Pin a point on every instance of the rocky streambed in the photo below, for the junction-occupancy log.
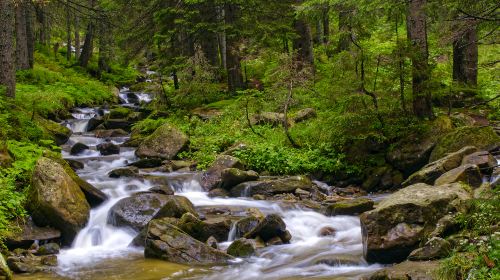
(132, 212)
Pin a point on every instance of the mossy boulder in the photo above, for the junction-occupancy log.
(167, 242)
(201, 230)
(468, 174)
(212, 178)
(107, 133)
(429, 173)
(29, 233)
(405, 218)
(119, 113)
(166, 142)
(242, 248)
(56, 200)
(231, 177)
(435, 248)
(60, 134)
(408, 270)
(272, 186)
(175, 207)
(246, 225)
(5, 273)
(304, 114)
(5, 158)
(480, 137)
(270, 227)
(350, 207)
(382, 178)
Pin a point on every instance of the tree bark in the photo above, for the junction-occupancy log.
(208, 38)
(77, 37)
(345, 14)
(7, 66)
(104, 46)
(88, 46)
(326, 24)
(417, 35)
(319, 32)
(465, 56)
(221, 36)
(303, 42)
(22, 59)
(30, 36)
(68, 32)
(233, 61)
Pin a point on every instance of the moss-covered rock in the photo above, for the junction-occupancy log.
(408, 270)
(270, 227)
(231, 177)
(351, 207)
(5, 273)
(241, 248)
(60, 134)
(468, 174)
(55, 199)
(202, 230)
(435, 248)
(272, 186)
(166, 142)
(212, 178)
(119, 113)
(483, 159)
(402, 220)
(480, 137)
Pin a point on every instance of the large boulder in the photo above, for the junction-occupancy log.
(382, 178)
(119, 113)
(59, 133)
(202, 230)
(166, 142)
(468, 174)
(435, 248)
(270, 227)
(304, 115)
(107, 133)
(136, 211)
(231, 177)
(272, 118)
(483, 159)
(167, 242)
(245, 225)
(94, 123)
(480, 137)
(242, 248)
(272, 187)
(108, 148)
(404, 219)
(349, 207)
(407, 270)
(56, 200)
(212, 178)
(78, 148)
(5, 273)
(429, 173)
(30, 233)
(413, 152)
(117, 124)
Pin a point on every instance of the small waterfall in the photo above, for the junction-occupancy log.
(232, 232)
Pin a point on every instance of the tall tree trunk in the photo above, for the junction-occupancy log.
(68, 32)
(77, 37)
(465, 56)
(417, 35)
(318, 38)
(104, 46)
(22, 59)
(30, 36)
(233, 61)
(303, 42)
(208, 38)
(88, 46)
(7, 66)
(326, 24)
(345, 15)
(221, 36)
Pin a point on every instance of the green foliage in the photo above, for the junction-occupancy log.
(483, 215)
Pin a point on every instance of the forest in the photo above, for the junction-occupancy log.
(278, 139)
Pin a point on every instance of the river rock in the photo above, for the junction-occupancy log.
(75, 164)
(29, 233)
(429, 173)
(327, 231)
(94, 123)
(413, 152)
(212, 242)
(435, 248)
(131, 171)
(272, 226)
(147, 163)
(175, 207)
(108, 148)
(495, 178)
(480, 137)
(48, 249)
(402, 220)
(407, 270)
(272, 187)
(242, 248)
(245, 225)
(201, 230)
(468, 174)
(5, 273)
(167, 242)
(483, 159)
(94, 196)
(166, 142)
(231, 177)
(304, 114)
(350, 207)
(382, 178)
(119, 113)
(60, 134)
(218, 192)
(56, 200)
(213, 176)
(162, 189)
(21, 261)
(118, 124)
(78, 148)
(108, 133)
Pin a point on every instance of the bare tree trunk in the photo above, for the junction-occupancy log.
(345, 14)
(319, 32)
(104, 46)
(233, 63)
(22, 60)
(30, 36)
(417, 35)
(7, 66)
(401, 67)
(221, 36)
(77, 37)
(208, 39)
(68, 32)
(465, 56)
(326, 24)
(303, 42)
(88, 46)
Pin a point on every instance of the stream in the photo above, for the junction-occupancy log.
(102, 251)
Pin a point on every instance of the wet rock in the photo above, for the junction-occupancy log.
(21, 261)
(445, 226)
(75, 164)
(29, 233)
(108, 133)
(108, 148)
(218, 192)
(429, 173)
(212, 242)
(94, 123)
(213, 176)
(202, 230)
(147, 163)
(118, 124)
(124, 172)
(468, 174)
(176, 165)
(327, 231)
(242, 248)
(272, 226)
(175, 207)
(163, 189)
(60, 134)
(480, 137)
(231, 177)
(407, 270)
(272, 187)
(350, 207)
(5, 272)
(78, 148)
(304, 114)
(274, 241)
(435, 248)
(119, 113)
(48, 249)
(166, 142)
(94, 196)
(402, 220)
(246, 225)
(256, 213)
(56, 200)
(167, 242)
(483, 159)
(495, 178)
(413, 152)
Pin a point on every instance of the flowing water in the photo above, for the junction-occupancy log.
(102, 251)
